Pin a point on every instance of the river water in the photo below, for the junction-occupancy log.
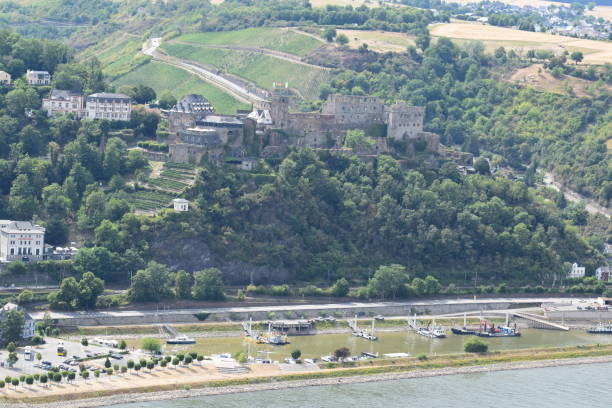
(389, 342)
(553, 387)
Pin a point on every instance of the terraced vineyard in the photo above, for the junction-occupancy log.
(258, 68)
(162, 77)
(162, 188)
(278, 39)
(173, 177)
(150, 201)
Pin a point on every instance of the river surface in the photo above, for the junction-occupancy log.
(389, 342)
(551, 387)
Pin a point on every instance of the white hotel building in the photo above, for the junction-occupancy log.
(109, 106)
(21, 241)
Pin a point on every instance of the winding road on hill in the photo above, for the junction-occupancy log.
(590, 205)
(242, 94)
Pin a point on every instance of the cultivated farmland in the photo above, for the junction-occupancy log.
(595, 52)
(382, 41)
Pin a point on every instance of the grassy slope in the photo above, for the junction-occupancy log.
(261, 69)
(270, 38)
(162, 77)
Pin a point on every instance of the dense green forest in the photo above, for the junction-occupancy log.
(467, 105)
(319, 216)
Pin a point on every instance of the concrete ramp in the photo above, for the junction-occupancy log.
(539, 322)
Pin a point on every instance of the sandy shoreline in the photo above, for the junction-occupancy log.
(199, 392)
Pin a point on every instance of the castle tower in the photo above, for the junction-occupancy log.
(280, 109)
(404, 122)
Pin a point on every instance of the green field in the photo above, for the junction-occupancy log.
(260, 69)
(162, 77)
(271, 38)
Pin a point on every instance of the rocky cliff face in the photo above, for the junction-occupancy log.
(194, 254)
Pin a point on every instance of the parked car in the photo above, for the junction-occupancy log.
(379, 317)
(116, 356)
(45, 362)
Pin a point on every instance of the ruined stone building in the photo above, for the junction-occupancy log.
(200, 132)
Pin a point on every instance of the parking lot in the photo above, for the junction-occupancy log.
(48, 351)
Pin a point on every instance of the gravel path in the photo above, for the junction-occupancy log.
(168, 395)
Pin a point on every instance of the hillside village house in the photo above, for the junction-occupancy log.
(38, 77)
(5, 78)
(27, 332)
(21, 241)
(109, 106)
(62, 102)
(576, 272)
(603, 273)
(180, 205)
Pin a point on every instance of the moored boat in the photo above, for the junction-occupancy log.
(600, 329)
(181, 340)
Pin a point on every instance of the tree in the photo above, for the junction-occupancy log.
(150, 365)
(329, 34)
(130, 364)
(342, 353)
(342, 39)
(15, 382)
(84, 342)
(296, 354)
(182, 285)
(577, 56)
(166, 100)
(151, 284)
(474, 345)
(175, 361)
(11, 347)
(208, 285)
(107, 363)
(387, 281)
(482, 166)
(340, 288)
(122, 344)
(26, 296)
(151, 345)
(11, 328)
(358, 141)
(12, 359)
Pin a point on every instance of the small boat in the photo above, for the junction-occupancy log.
(364, 334)
(600, 329)
(181, 340)
(275, 338)
(488, 329)
(463, 331)
(436, 332)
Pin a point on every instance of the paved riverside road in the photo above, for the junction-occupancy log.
(299, 307)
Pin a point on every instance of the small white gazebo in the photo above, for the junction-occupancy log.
(180, 204)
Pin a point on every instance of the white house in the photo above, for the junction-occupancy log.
(5, 78)
(109, 106)
(62, 102)
(180, 205)
(577, 271)
(603, 273)
(28, 325)
(38, 77)
(21, 241)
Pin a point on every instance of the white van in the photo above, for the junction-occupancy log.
(28, 354)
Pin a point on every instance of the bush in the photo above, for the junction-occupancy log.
(201, 316)
(38, 339)
(474, 345)
(422, 357)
